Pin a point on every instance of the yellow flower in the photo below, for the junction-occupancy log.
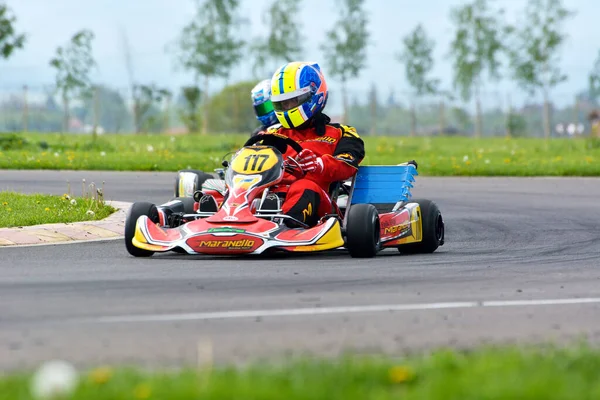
(142, 391)
(589, 159)
(46, 209)
(507, 161)
(400, 374)
(5, 203)
(9, 209)
(468, 162)
(101, 375)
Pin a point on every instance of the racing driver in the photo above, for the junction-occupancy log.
(263, 108)
(332, 152)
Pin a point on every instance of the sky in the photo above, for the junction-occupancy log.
(151, 25)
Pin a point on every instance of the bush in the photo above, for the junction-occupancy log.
(12, 141)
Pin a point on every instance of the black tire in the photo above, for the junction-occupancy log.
(433, 229)
(363, 231)
(137, 210)
(188, 204)
(200, 178)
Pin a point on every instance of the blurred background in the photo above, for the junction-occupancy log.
(436, 67)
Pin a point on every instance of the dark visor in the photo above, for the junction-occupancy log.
(286, 105)
(264, 108)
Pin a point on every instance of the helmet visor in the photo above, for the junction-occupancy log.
(288, 104)
(264, 108)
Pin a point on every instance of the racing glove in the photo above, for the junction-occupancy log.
(309, 162)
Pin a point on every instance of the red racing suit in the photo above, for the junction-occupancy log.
(341, 150)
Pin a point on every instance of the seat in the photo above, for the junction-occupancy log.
(383, 184)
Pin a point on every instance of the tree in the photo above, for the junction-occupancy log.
(283, 43)
(207, 45)
(114, 115)
(418, 63)
(189, 114)
(229, 112)
(534, 55)
(147, 99)
(594, 80)
(475, 49)
(9, 39)
(73, 64)
(346, 44)
(373, 108)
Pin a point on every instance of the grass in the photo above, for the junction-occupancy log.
(17, 209)
(491, 373)
(437, 156)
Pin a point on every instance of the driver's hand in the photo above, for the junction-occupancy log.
(309, 162)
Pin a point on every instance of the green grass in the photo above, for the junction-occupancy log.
(502, 373)
(439, 156)
(17, 209)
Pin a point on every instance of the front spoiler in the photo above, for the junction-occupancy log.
(219, 239)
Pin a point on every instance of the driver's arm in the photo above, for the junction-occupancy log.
(348, 154)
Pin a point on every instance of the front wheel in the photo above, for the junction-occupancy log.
(433, 229)
(188, 181)
(363, 234)
(137, 210)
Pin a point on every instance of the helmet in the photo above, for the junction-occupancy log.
(261, 100)
(299, 92)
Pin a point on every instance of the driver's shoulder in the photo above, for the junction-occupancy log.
(345, 130)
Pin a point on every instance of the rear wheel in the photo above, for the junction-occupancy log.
(363, 235)
(188, 181)
(137, 210)
(432, 226)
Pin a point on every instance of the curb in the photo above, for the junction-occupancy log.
(110, 228)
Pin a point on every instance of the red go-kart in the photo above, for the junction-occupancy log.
(244, 216)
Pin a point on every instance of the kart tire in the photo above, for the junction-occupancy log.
(199, 180)
(188, 204)
(433, 229)
(137, 210)
(363, 231)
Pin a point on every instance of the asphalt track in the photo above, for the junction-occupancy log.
(519, 245)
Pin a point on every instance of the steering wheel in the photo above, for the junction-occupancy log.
(278, 141)
(281, 143)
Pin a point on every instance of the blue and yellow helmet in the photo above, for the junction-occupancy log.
(261, 100)
(298, 92)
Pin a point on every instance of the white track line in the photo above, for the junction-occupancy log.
(335, 310)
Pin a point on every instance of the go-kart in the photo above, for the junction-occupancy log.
(248, 218)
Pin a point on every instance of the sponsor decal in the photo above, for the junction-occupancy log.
(396, 229)
(208, 243)
(307, 212)
(345, 157)
(226, 229)
(230, 218)
(398, 225)
(327, 139)
(243, 244)
(349, 131)
(324, 139)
